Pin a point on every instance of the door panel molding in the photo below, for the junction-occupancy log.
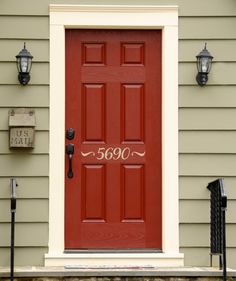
(115, 17)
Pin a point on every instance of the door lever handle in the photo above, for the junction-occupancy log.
(70, 152)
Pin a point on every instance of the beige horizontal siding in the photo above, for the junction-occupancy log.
(28, 187)
(210, 96)
(39, 73)
(42, 119)
(26, 234)
(207, 119)
(41, 144)
(24, 165)
(25, 7)
(20, 27)
(29, 167)
(187, 7)
(207, 142)
(190, 28)
(198, 211)
(222, 73)
(202, 235)
(220, 49)
(18, 96)
(207, 165)
(33, 210)
(38, 48)
(188, 49)
(206, 153)
(207, 8)
(207, 28)
(201, 257)
(33, 256)
(195, 187)
(196, 256)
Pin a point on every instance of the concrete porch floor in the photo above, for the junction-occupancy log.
(32, 271)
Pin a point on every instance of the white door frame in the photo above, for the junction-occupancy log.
(115, 17)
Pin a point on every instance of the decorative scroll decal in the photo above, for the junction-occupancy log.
(113, 153)
(138, 153)
(87, 153)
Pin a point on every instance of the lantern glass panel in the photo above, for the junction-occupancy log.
(205, 65)
(209, 64)
(18, 64)
(24, 65)
(199, 64)
(29, 64)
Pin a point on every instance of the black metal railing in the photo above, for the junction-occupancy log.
(13, 185)
(218, 232)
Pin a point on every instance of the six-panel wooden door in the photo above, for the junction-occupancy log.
(113, 103)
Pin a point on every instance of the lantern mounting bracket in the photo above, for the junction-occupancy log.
(202, 78)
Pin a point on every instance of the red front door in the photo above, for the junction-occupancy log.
(113, 103)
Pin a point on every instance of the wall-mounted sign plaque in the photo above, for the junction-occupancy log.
(21, 128)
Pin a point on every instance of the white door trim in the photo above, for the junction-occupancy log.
(115, 17)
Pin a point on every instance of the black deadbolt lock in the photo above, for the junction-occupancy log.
(70, 134)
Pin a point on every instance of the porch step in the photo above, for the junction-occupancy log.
(116, 274)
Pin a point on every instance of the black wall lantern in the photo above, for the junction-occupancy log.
(24, 62)
(204, 61)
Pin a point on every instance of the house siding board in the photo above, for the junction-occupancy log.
(212, 96)
(200, 257)
(202, 234)
(17, 27)
(37, 234)
(207, 165)
(194, 187)
(28, 187)
(222, 50)
(39, 73)
(207, 28)
(24, 164)
(207, 142)
(39, 49)
(223, 73)
(24, 256)
(209, 119)
(32, 95)
(42, 118)
(198, 211)
(206, 121)
(41, 143)
(28, 210)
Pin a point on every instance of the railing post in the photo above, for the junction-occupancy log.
(13, 185)
(218, 228)
(223, 212)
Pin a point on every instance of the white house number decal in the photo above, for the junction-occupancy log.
(113, 153)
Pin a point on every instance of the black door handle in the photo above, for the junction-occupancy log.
(70, 152)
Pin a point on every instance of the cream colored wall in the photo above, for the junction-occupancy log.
(207, 123)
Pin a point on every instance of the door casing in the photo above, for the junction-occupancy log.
(122, 17)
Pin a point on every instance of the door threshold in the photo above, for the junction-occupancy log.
(111, 258)
(111, 251)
